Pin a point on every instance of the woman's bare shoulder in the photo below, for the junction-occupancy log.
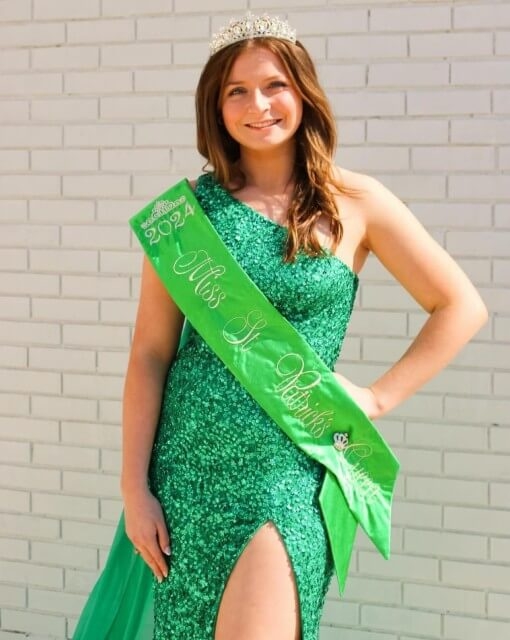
(356, 181)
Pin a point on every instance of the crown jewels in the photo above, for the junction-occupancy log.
(252, 26)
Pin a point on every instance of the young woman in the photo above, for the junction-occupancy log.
(219, 502)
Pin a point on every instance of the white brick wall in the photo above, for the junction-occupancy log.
(96, 117)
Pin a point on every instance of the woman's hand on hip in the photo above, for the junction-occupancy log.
(146, 528)
(364, 397)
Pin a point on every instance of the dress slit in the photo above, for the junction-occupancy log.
(244, 546)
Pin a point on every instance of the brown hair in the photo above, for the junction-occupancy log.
(315, 141)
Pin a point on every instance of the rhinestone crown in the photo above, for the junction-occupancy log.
(252, 26)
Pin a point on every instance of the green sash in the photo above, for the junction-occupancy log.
(293, 385)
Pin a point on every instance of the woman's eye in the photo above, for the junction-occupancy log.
(278, 83)
(235, 91)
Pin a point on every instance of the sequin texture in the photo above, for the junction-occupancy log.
(220, 466)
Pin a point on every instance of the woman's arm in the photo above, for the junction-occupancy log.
(435, 281)
(155, 341)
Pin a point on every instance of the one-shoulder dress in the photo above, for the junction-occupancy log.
(222, 468)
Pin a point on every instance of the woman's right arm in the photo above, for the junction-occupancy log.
(156, 338)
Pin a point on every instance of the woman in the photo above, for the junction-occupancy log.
(219, 503)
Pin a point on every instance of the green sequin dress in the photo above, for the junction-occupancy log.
(221, 467)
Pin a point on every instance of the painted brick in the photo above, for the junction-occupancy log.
(501, 101)
(402, 566)
(65, 58)
(13, 308)
(87, 533)
(13, 10)
(95, 386)
(500, 494)
(60, 456)
(406, 132)
(163, 134)
(61, 359)
(395, 74)
(32, 35)
(30, 84)
(112, 362)
(444, 599)
(29, 381)
(12, 356)
(14, 111)
(139, 55)
(465, 159)
(13, 160)
(95, 335)
(101, 31)
(14, 549)
(446, 544)
(15, 259)
(96, 286)
(91, 434)
(446, 490)
(111, 461)
(406, 620)
(53, 9)
(499, 549)
(461, 628)
(36, 622)
(97, 484)
(491, 520)
(63, 408)
(448, 101)
(481, 16)
(64, 110)
(326, 22)
(383, 158)
(347, 47)
(14, 186)
(55, 601)
(480, 130)
(12, 597)
(65, 161)
(30, 574)
(14, 404)
(28, 429)
(135, 160)
(191, 53)
(410, 18)
(60, 211)
(97, 82)
(498, 605)
(35, 332)
(17, 501)
(29, 527)
(64, 506)
(66, 555)
(133, 107)
(69, 310)
(371, 590)
(118, 311)
(134, 7)
(380, 104)
(104, 184)
(416, 514)
(174, 28)
(450, 45)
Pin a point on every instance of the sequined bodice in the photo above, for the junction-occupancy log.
(316, 295)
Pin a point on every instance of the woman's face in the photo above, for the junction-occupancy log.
(261, 109)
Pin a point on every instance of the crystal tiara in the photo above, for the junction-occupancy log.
(251, 26)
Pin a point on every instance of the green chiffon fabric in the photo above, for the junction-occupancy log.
(121, 604)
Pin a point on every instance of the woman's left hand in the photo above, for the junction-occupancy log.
(364, 397)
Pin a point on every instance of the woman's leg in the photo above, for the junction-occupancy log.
(260, 600)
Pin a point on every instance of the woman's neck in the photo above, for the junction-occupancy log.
(270, 174)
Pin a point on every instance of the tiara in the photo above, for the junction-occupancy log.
(252, 26)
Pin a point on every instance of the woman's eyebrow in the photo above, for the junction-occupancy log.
(278, 76)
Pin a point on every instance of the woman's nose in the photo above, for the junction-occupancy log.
(259, 101)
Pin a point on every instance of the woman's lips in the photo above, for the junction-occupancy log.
(263, 125)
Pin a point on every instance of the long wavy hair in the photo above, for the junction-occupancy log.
(315, 182)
